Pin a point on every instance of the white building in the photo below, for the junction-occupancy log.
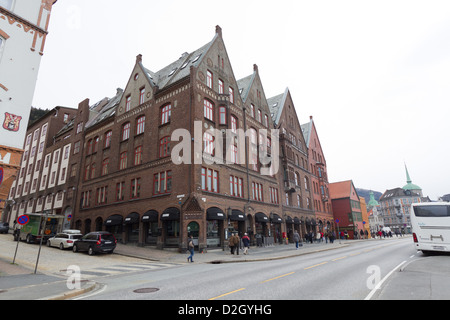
(23, 32)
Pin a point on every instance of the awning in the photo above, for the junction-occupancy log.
(276, 218)
(114, 220)
(261, 217)
(237, 215)
(132, 218)
(215, 214)
(289, 220)
(171, 214)
(297, 221)
(150, 216)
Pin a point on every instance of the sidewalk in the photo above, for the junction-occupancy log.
(274, 252)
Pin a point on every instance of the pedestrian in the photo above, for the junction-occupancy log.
(234, 244)
(246, 242)
(191, 247)
(296, 238)
(318, 237)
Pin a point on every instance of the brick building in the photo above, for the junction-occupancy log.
(317, 166)
(188, 150)
(294, 177)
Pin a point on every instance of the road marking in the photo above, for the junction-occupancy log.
(227, 294)
(339, 258)
(316, 265)
(284, 275)
(378, 286)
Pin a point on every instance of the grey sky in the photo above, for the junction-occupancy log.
(374, 74)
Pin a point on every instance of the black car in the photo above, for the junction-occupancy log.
(4, 227)
(96, 242)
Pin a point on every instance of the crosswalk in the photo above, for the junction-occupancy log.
(121, 269)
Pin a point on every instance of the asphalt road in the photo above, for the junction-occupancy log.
(349, 273)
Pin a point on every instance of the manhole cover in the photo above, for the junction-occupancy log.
(146, 290)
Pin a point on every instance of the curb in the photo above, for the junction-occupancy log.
(74, 293)
(275, 258)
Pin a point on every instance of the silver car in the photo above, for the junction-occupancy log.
(64, 239)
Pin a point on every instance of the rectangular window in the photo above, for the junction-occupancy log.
(123, 160)
(120, 187)
(138, 156)
(166, 112)
(142, 96)
(233, 124)
(140, 125)
(128, 104)
(102, 195)
(208, 110)
(108, 137)
(162, 183)
(236, 187)
(85, 199)
(135, 188)
(210, 180)
(105, 165)
(209, 79)
(274, 195)
(231, 92)
(220, 86)
(257, 191)
(252, 111)
(208, 143)
(223, 115)
(126, 131)
(164, 147)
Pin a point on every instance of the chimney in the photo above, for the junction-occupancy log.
(255, 67)
(219, 31)
(139, 58)
(310, 117)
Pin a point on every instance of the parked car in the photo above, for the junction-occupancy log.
(64, 239)
(96, 242)
(4, 227)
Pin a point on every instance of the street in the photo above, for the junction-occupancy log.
(337, 274)
(353, 270)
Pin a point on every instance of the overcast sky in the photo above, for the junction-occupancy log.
(375, 75)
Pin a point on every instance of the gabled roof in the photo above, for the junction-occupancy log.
(276, 105)
(178, 69)
(342, 189)
(107, 110)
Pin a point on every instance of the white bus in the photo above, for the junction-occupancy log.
(430, 222)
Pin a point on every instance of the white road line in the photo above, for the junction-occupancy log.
(378, 286)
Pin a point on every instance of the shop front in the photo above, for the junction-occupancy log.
(276, 223)
(131, 226)
(150, 227)
(171, 227)
(236, 223)
(215, 218)
(114, 224)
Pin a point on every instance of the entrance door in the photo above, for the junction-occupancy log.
(193, 230)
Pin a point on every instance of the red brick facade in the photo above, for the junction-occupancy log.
(123, 177)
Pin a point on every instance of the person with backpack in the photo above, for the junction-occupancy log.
(246, 243)
(191, 247)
